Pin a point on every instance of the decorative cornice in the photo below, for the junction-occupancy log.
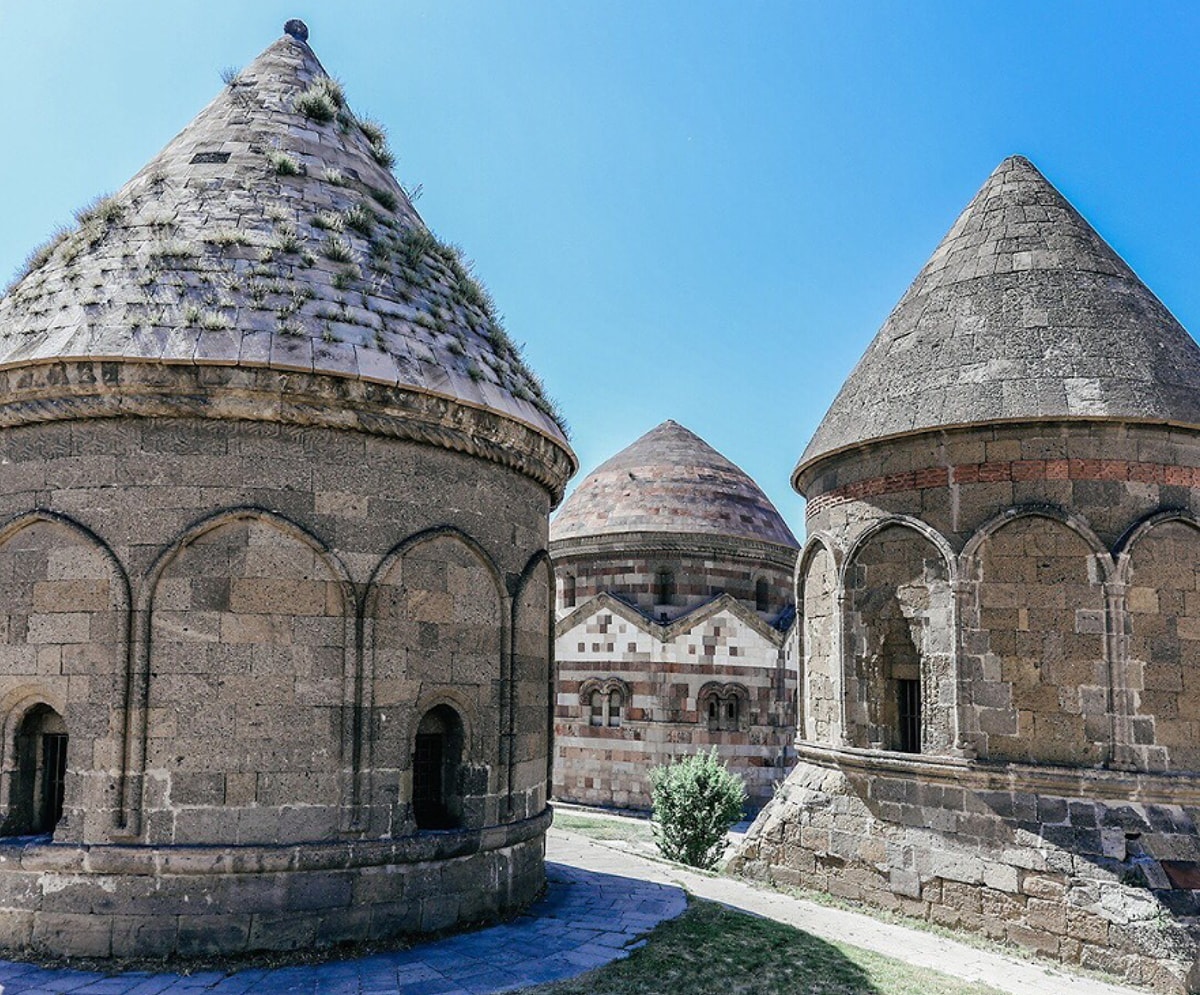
(80, 390)
(671, 630)
(690, 543)
(938, 476)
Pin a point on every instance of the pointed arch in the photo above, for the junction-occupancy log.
(969, 555)
(1039, 653)
(1157, 698)
(899, 660)
(436, 615)
(531, 666)
(924, 529)
(1139, 530)
(819, 684)
(80, 607)
(213, 599)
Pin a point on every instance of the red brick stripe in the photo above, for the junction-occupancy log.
(1020, 470)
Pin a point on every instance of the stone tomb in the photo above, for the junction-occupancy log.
(274, 589)
(1000, 674)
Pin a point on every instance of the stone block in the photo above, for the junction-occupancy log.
(1034, 940)
(143, 935)
(283, 931)
(72, 934)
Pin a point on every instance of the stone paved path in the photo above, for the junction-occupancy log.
(586, 919)
(601, 899)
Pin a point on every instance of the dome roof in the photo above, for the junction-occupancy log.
(1023, 313)
(271, 233)
(670, 480)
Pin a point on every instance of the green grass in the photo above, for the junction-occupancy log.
(712, 950)
(600, 828)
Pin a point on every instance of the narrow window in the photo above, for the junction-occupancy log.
(597, 711)
(909, 714)
(664, 587)
(436, 770)
(40, 778)
(568, 591)
(54, 778)
(762, 595)
(614, 708)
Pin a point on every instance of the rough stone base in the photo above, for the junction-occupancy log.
(124, 901)
(1105, 884)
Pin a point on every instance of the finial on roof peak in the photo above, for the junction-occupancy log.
(297, 29)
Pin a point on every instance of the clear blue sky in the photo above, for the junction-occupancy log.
(686, 209)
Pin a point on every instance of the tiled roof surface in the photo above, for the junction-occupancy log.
(670, 480)
(271, 232)
(1023, 313)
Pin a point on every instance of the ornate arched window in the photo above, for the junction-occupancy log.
(437, 770)
(725, 707)
(603, 701)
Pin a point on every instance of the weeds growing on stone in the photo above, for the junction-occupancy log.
(337, 249)
(322, 100)
(360, 218)
(284, 164)
(385, 198)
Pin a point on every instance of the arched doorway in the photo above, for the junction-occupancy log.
(436, 770)
(39, 778)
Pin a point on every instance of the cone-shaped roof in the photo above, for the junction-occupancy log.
(270, 233)
(670, 480)
(1023, 313)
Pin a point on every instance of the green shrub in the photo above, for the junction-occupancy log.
(696, 800)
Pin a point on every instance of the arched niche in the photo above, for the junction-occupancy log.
(899, 642)
(435, 626)
(64, 623)
(247, 686)
(820, 681)
(1162, 600)
(1035, 656)
(531, 690)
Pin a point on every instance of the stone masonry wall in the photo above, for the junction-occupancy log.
(1058, 810)
(695, 580)
(1075, 876)
(668, 673)
(241, 624)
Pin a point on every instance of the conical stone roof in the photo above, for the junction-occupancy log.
(1023, 313)
(672, 481)
(270, 234)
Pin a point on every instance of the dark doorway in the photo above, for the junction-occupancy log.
(436, 770)
(39, 780)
